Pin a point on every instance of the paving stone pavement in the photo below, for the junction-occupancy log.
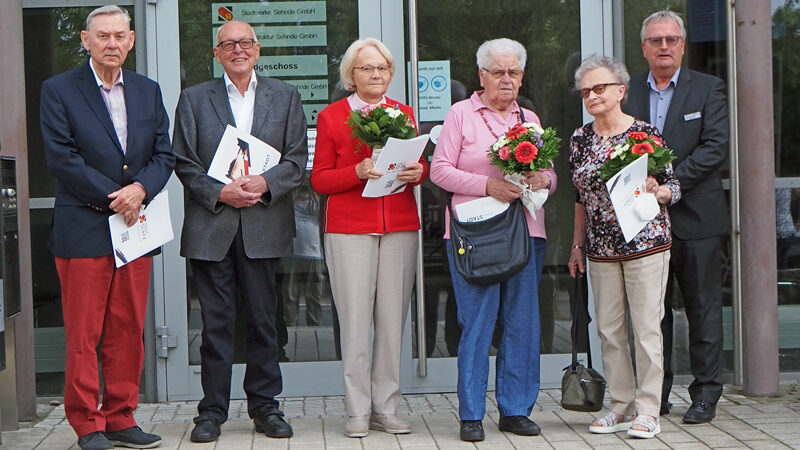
(741, 422)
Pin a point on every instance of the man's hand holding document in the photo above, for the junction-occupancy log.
(393, 158)
(152, 229)
(240, 154)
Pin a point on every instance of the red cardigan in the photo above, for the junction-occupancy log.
(334, 174)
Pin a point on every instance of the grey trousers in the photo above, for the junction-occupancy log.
(372, 277)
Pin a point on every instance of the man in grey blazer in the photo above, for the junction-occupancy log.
(690, 110)
(233, 234)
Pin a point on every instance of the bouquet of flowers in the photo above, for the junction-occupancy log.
(523, 148)
(374, 125)
(636, 144)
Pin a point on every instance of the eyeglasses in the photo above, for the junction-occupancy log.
(597, 89)
(369, 70)
(499, 73)
(656, 41)
(243, 43)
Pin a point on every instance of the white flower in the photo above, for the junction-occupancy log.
(393, 112)
(618, 150)
(534, 126)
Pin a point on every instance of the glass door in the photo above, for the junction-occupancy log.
(552, 36)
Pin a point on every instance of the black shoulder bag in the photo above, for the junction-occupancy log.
(493, 250)
(582, 388)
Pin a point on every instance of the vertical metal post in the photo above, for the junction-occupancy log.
(413, 55)
(757, 208)
(736, 227)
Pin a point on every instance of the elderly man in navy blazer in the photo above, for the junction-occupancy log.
(106, 141)
(690, 110)
(233, 234)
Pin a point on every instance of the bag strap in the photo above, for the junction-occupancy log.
(575, 304)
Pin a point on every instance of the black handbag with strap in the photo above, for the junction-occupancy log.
(582, 388)
(493, 250)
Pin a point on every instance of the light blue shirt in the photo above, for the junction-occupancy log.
(661, 99)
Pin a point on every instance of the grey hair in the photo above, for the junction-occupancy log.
(498, 47)
(108, 9)
(348, 63)
(661, 16)
(617, 69)
(219, 30)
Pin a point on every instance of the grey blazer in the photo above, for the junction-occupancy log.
(209, 226)
(696, 129)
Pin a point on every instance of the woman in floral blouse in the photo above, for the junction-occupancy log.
(627, 277)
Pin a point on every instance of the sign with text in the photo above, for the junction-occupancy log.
(312, 111)
(282, 66)
(434, 90)
(269, 12)
(314, 90)
(287, 36)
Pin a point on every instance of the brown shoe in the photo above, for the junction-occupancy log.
(389, 423)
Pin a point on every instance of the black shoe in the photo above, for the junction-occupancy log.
(271, 423)
(665, 407)
(205, 430)
(94, 441)
(701, 411)
(133, 437)
(520, 425)
(471, 431)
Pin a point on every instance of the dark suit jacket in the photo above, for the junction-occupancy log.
(700, 145)
(84, 154)
(209, 226)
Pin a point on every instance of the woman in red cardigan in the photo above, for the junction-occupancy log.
(370, 244)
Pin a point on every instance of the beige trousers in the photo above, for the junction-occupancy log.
(372, 277)
(637, 287)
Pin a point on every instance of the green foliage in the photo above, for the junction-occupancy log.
(634, 147)
(506, 153)
(375, 126)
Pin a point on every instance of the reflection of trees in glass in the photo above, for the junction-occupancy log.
(197, 39)
(786, 67)
(634, 15)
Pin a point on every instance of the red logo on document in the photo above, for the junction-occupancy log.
(225, 13)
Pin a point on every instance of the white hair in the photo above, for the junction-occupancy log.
(348, 63)
(110, 10)
(500, 47)
(661, 16)
(617, 69)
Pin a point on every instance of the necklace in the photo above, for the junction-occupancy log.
(488, 127)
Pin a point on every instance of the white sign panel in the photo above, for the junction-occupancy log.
(268, 12)
(434, 90)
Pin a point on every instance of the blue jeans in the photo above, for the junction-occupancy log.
(516, 303)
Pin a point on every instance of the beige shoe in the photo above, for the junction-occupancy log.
(389, 423)
(356, 426)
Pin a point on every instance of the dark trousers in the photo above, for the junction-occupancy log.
(697, 268)
(216, 284)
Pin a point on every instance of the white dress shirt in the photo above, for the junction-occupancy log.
(242, 105)
(114, 99)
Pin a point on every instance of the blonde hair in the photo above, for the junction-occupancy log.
(348, 63)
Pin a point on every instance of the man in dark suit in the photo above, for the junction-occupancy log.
(233, 234)
(690, 110)
(106, 141)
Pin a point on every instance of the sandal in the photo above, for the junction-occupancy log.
(611, 423)
(651, 423)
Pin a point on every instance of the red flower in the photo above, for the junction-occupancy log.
(637, 135)
(526, 152)
(659, 142)
(641, 149)
(504, 152)
(516, 132)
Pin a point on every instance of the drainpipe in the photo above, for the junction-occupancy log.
(757, 197)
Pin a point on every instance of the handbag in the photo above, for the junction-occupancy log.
(582, 388)
(493, 250)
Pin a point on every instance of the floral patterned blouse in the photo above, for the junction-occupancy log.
(604, 239)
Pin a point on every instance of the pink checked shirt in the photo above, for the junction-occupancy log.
(459, 162)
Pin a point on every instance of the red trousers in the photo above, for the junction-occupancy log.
(101, 301)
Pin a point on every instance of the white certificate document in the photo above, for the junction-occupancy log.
(239, 154)
(152, 229)
(634, 207)
(480, 209)
(393, 159)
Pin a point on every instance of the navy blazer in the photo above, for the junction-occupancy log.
(84, 154)
(696, 129)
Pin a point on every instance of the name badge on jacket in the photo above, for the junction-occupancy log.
(692, 116)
